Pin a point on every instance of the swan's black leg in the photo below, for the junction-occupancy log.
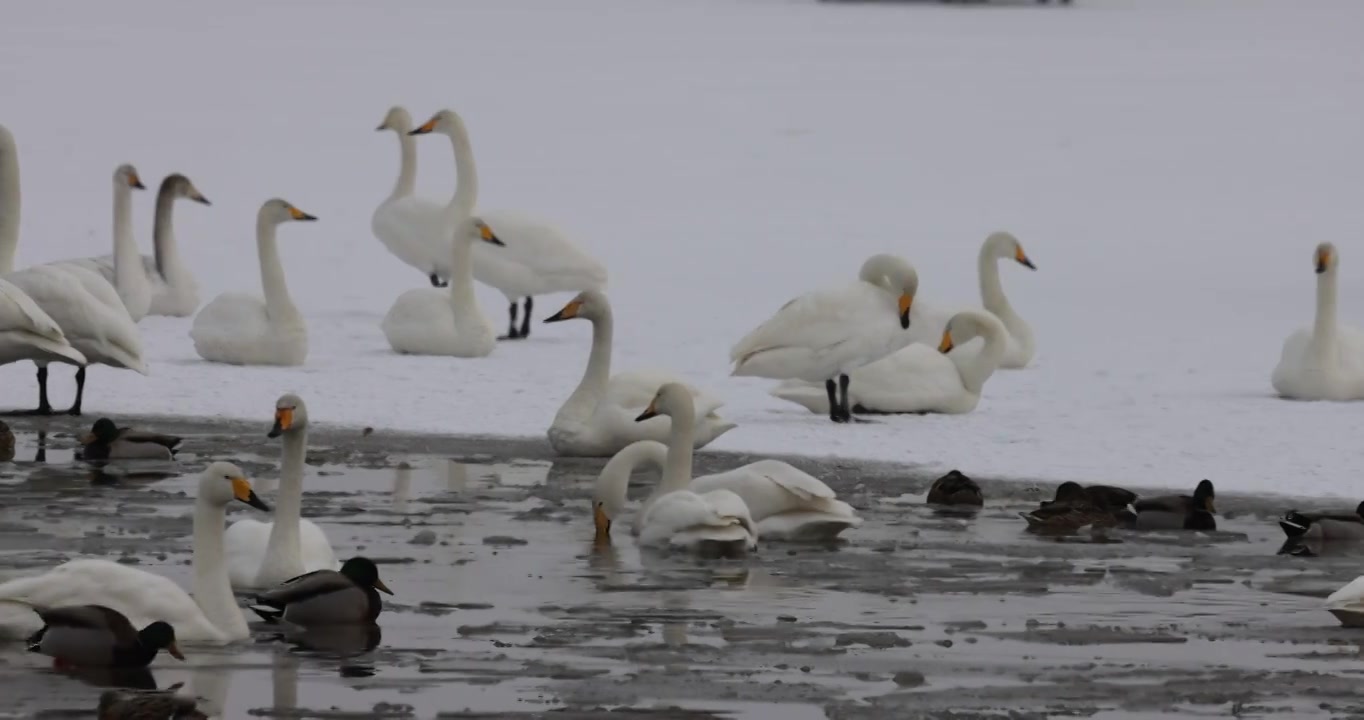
(80, 393)
(843, 409)
(437, 282)
(41, 455)
(832, 389)
(512, 331)
(44, 407)
(525, 321)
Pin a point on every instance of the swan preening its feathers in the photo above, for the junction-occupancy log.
(240, 329)
(598, 418)
(1325, 361)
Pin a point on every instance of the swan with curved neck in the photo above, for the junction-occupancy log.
(265, 554)
(426, 321)
(210, 616)
(78, 302)
(598, 418)
(240, 329)
(919, 378)
(823, 336)
(1021, 346)
(1326, 361)
(785, 502)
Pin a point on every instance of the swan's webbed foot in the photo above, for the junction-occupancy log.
(437, 282)
(44, 407)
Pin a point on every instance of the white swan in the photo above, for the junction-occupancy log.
(412, 228)
(785, 502)
(824, 335)
(265, 554)
(240, 329)
(124, 268)
(427, 321)
(918, 378)
(1326, 361)
(81, 303)
(211, 616)
(28, 333)
(174, 291)
(711, 522)
(1347, 603)
(598, 419)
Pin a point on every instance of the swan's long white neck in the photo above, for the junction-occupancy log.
(681, 440)
(991, 289)
(458, 213)
(975, 368)
(128, 270)
(164, 249)
(407, 165)
(614, 480)
(9, 201)
(284, 549)
(462, 203)
(212, 590)
(1324, 329)
(278, 305)
(598, 373)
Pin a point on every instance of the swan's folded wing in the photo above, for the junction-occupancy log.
(544, 249)
(792, 479)
(303, 587)
(26, 315)
(636, 389)
(818, 321)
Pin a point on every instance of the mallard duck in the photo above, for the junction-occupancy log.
(954, 488)
(107, 441)
(1178, 512)
(327, 597)
(1327, 526)
(6, 443)
(1068, 517)
(1107, 496)
(148, 705)
(94, 635)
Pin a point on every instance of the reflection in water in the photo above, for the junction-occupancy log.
(1314, 546)
(41, 455)
(210, 684)
(103, 677)
(402, 487)
(342, 642)
(456, 476)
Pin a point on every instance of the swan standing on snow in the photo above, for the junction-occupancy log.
(265, 554)
(715, 522)
(80, 303)
(824, 335)
(411, 227)
(211, 616)
(124, 268)
(426, 321)
(918, 378)
(1326, 361)
(598, 419)
(785, 502)
(240, 329)
(173, 289)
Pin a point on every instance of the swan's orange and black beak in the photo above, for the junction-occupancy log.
(602, 523)
(135, 182)
(946, 345)
(486, 234)
(906, 300)
(198, 197)
(426, 127)
(297, 214)
(241, 490)
(284, 419)
(649, 412)
(1022, 258)
(569, 312)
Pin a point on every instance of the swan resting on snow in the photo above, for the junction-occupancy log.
(823, 336)
(241, 329)
(598, 418)
(1325, 361)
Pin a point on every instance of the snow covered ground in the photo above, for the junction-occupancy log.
(1169, 166)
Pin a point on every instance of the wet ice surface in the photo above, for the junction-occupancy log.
(509, 611)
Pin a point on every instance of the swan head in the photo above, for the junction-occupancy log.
(1005, 245)
(278, 211)
(1203, 496)
(222, 482)
(398, 120)
(669, 400)
(291, 415)
(589, 304)
(966, 326)
(445, 122)
(125, 175)
(1326, 257)
(479, 230)
(179, 186)
(895, 276)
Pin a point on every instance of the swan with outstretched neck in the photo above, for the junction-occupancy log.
(1325, 361)
(411, 227)
(124, 268)
(598, 418)
(427, 321)
(265, 554)
(241, 329)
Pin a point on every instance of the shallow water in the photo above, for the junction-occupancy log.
(512, 612)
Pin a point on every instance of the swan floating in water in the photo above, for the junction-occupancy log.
(82, 305)
(211, 616)
(823, 336)
(240, 329)
(427, 321)
(598, 419)
(265, 554)
(1325, 361)
(918, 378)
